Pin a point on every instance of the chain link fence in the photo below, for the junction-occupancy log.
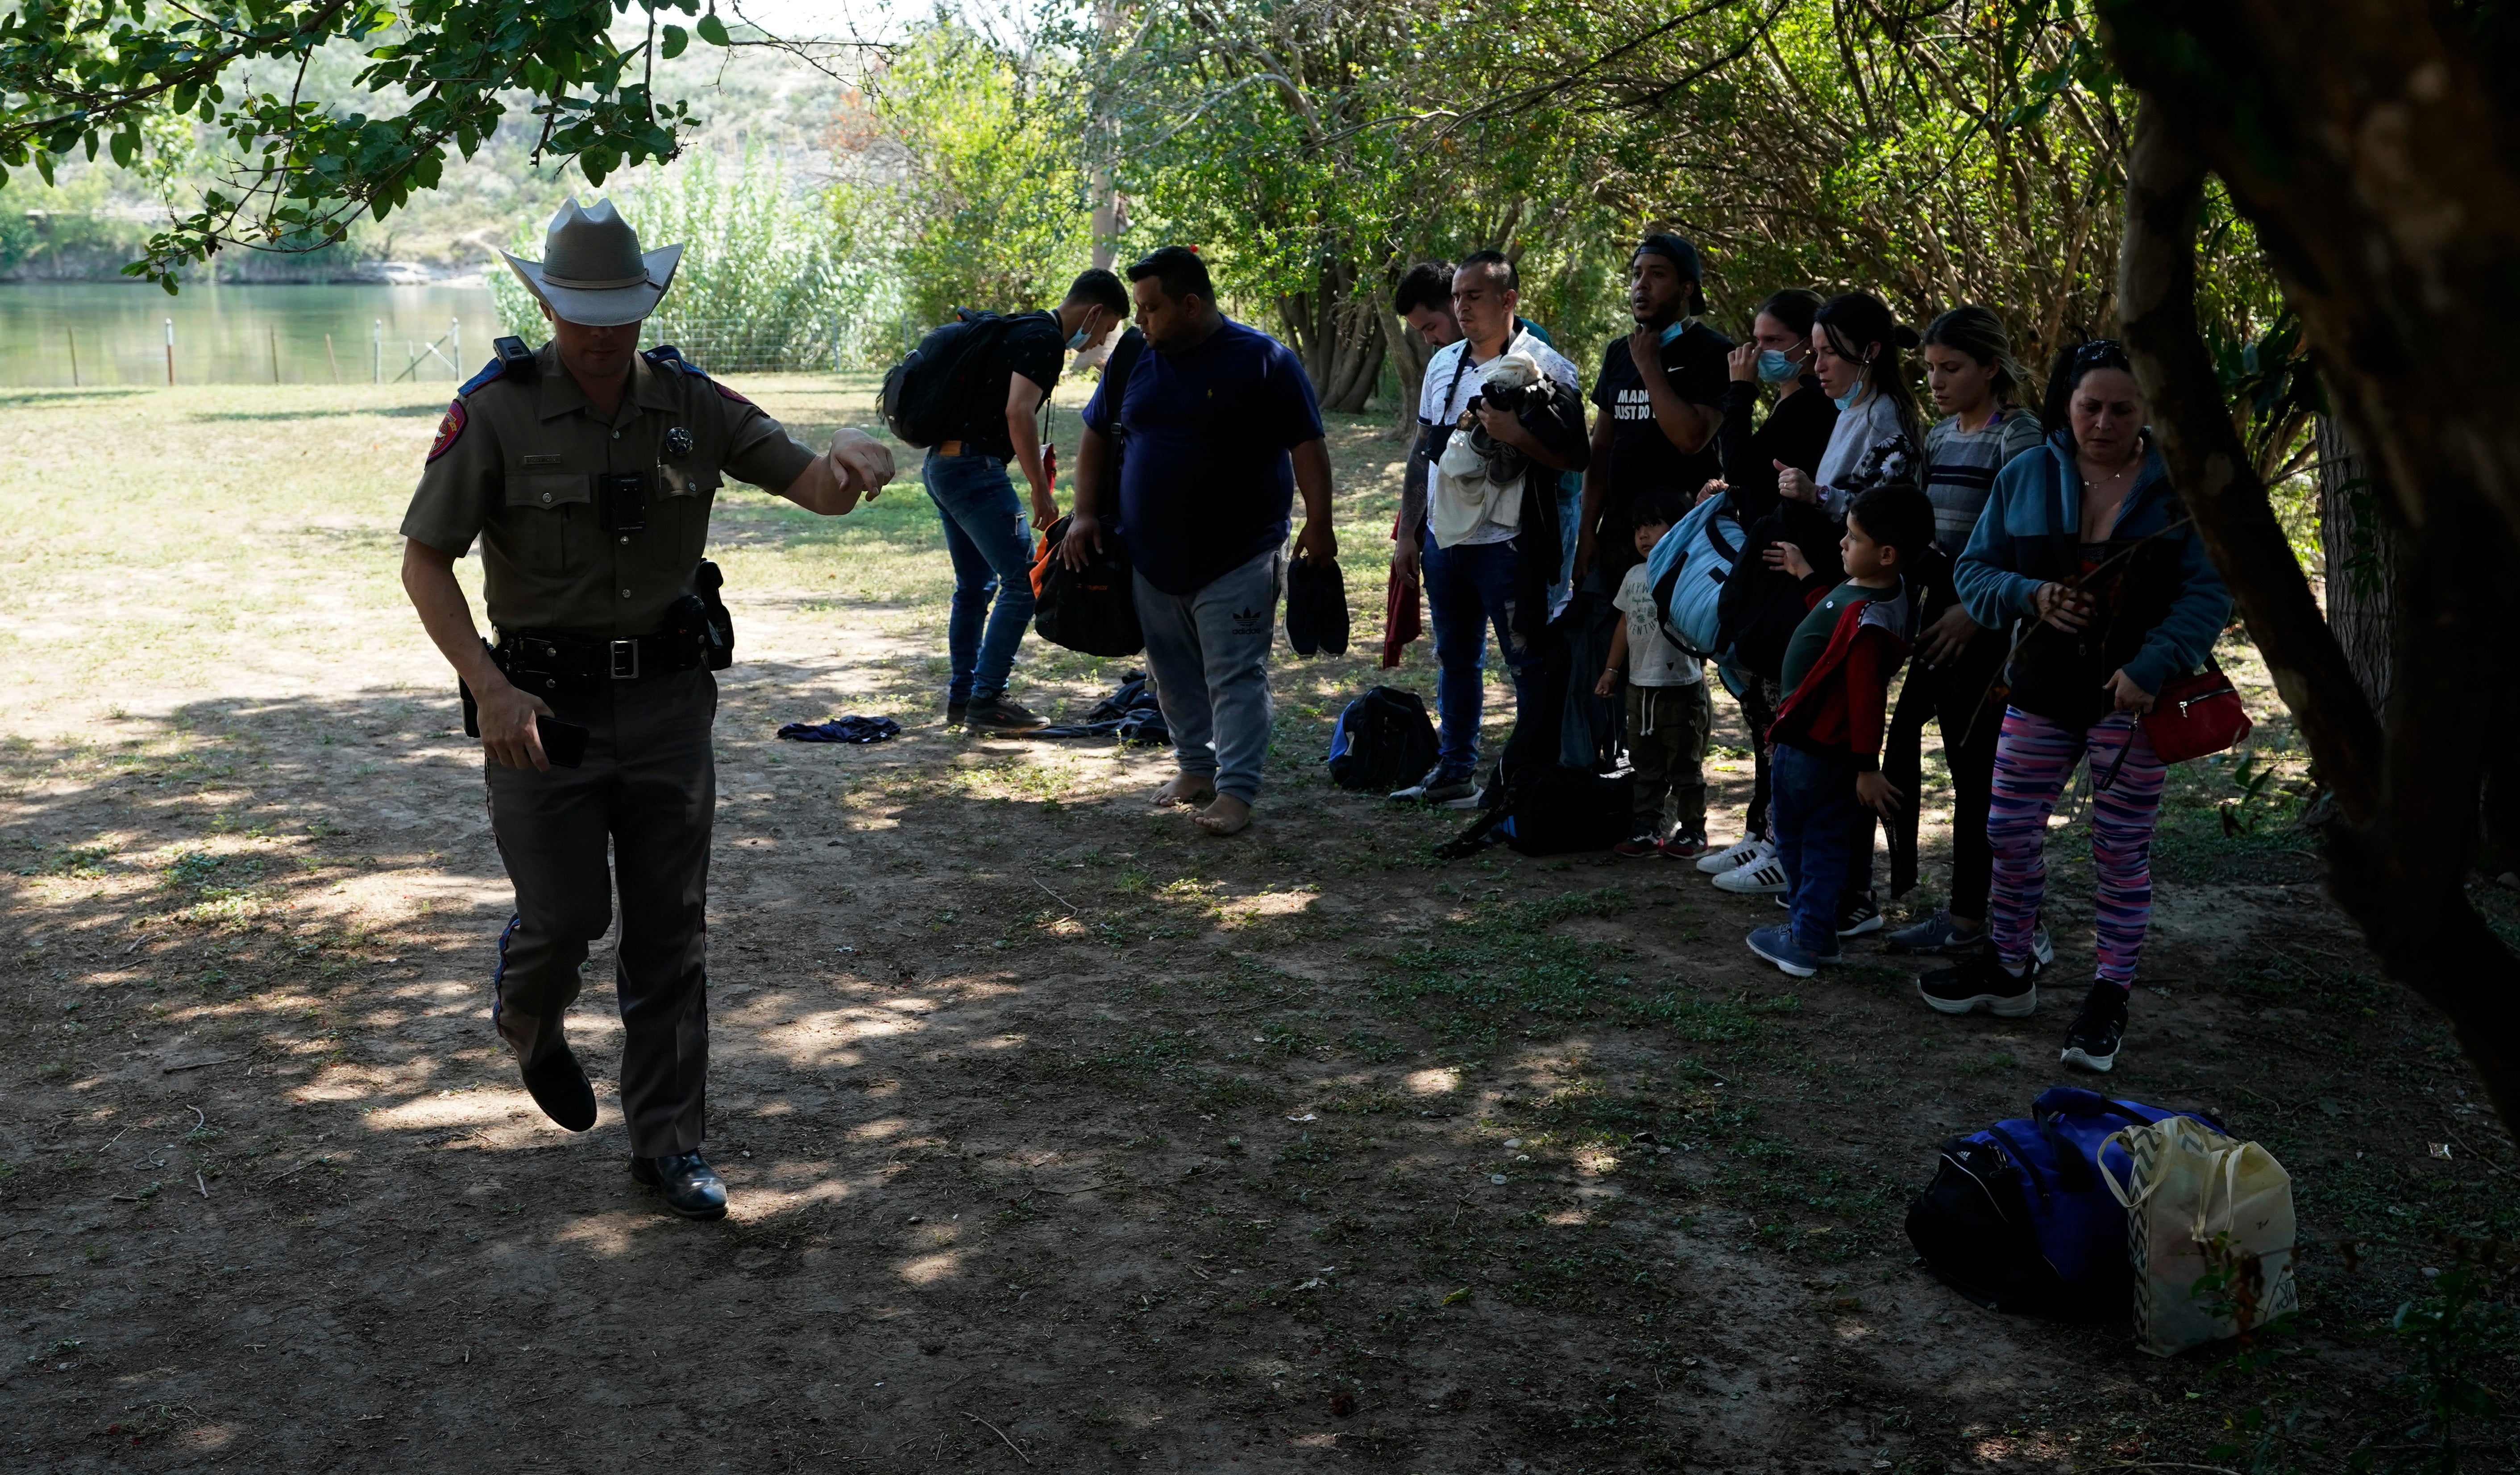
(723, 345)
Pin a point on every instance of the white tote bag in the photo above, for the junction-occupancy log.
(2209, 1233)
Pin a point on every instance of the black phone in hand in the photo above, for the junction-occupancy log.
(563, 743)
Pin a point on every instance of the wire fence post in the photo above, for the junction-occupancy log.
(170, 353)
(75, 382)
(331, 358)
(272, 329)
(455, 343)
(380, 350)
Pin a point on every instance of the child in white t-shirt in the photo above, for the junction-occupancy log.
(1669, 716)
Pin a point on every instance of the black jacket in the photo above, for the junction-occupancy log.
(1795, 432)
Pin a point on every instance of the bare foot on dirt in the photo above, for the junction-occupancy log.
(1186, 789)
(1226, 816)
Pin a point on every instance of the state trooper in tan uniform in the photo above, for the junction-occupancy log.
(587, 470)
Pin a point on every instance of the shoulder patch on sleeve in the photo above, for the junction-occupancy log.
(667, 356)
(729, 393)
(491, 372)
(451, 429)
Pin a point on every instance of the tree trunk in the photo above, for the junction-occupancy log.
(2340, 182)
(1337, 335)
(2361, 559)
(1099, 187)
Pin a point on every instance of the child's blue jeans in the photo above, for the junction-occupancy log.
(1814, 812)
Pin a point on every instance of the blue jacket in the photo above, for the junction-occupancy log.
(2161, 604)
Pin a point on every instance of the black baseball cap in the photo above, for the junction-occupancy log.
(1680, 254)
(1683, 258)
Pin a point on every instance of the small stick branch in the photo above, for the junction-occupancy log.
(1001, 1434)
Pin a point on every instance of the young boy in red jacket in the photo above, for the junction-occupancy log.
(1828, 733)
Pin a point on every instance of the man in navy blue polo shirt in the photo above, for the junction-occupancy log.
(1222, 429)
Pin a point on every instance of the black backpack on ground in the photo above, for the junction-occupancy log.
(927, 397)
(1092, 609)
(1551, 809)
(1382, 741)
(1316, 607)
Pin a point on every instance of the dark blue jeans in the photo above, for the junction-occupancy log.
(1815, 813)
(991, 546)
(1469, 587)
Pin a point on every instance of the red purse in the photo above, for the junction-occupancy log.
(2197, 715)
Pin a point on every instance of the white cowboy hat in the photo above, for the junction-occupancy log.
(593, 272)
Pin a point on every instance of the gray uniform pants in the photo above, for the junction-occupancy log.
(1208, 651)
(648, 787)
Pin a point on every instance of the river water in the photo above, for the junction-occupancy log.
(242, 334)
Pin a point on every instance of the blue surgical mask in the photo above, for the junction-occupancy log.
(1076, 340)
(1776, 367)
(1846, 401)
(1678, 327)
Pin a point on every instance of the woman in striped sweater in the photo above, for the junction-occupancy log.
(1977, 386)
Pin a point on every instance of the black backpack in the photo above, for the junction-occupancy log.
(927, 397)
(1551, 809)
(1316, 607)
(1092, 609)
(1382, 741)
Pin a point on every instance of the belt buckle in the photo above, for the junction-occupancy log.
(625, 660)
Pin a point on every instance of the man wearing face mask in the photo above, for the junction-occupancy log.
(1661, 397)
(985, 531)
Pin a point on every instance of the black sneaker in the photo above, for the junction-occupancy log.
(956, 712)
(2093, 1042)
(1858, 918)
(999, 715)
(1980, 982)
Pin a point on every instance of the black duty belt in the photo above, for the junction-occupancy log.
(548, 663)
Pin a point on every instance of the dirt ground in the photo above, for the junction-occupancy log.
(1059, 1136)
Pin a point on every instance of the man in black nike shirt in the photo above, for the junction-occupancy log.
(1661, 397)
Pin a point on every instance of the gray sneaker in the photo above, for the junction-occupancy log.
(1437, 787)
(1938, 934)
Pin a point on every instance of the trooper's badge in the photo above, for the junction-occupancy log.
(449, 429)
(678, 442)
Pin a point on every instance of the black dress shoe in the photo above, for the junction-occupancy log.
(559, 1087)
(691, 1187)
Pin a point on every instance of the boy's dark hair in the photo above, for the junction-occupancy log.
(1178, 270)
(1428, 284)
(1897, 515)
(1502, 263)
(1661, 505)
(1097, 288)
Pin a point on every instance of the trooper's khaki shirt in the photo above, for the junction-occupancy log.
(516, 464)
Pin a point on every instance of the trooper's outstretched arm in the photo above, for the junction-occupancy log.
(856, 465)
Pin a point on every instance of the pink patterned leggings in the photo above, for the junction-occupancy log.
(2033, 760)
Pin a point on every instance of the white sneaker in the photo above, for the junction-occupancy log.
(1765, 876)
(1736, 855)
